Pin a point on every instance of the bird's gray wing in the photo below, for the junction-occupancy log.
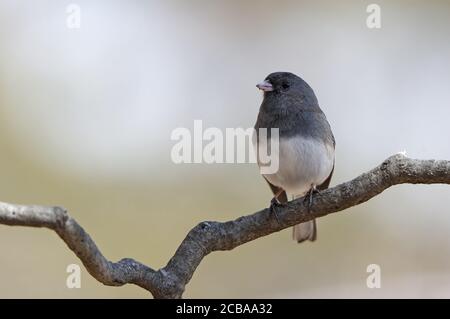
(282, 198)
(325, 184)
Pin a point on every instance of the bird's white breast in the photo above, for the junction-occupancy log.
(303, 162)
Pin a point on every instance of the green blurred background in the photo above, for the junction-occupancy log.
(86, 116)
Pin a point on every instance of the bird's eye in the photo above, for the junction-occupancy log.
(285, 86)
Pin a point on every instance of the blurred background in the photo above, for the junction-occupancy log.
(86, 116)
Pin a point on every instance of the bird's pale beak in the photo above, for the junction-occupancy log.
(265, 86)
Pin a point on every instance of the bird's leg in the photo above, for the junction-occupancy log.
(274, 203)
(309, 195)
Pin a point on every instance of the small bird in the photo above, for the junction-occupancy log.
(306, 143)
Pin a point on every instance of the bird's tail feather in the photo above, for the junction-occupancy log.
(305, 231)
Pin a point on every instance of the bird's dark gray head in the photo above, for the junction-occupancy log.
(286, 85)
(291, 106)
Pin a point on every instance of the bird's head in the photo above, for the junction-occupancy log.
(283, 82)
(286, 86)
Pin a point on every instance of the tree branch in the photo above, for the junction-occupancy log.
(206, 237)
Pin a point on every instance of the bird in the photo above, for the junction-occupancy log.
(306, 143)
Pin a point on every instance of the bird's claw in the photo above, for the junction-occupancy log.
(309, 196)
(274, 204)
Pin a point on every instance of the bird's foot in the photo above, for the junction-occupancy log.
(309, 196)
(274, 205)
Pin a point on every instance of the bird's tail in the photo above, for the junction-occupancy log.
(305, 231)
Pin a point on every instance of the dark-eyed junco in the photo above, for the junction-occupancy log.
(306, 143)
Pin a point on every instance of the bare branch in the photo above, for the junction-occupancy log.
(206, 237)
